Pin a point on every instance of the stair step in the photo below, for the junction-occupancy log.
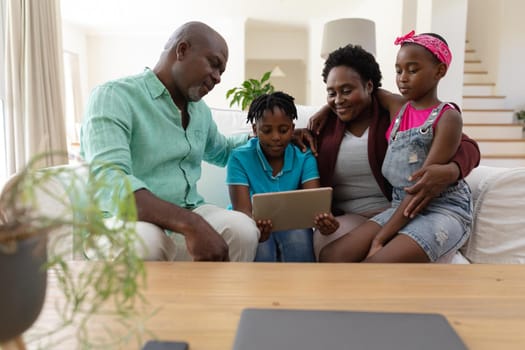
(484, 89)
(471, 55)
(498, 148)
(493, 131)
(480, 102)
(476, 71)
(488, 116)
(485, 117)
(478, 77)
(473, 66)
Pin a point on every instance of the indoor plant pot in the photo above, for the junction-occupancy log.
(40, 209)
(23, 278)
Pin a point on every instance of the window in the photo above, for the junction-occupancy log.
(73, 103)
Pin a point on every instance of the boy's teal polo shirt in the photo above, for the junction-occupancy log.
(249, 167)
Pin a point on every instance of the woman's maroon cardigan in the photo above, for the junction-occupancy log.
(329, 140)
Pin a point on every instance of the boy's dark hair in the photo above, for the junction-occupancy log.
(357, 58)
(268, 102)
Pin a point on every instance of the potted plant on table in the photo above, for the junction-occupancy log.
(32, 243)
(250, 89)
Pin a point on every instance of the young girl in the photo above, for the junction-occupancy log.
(270, 163)
(424, 131)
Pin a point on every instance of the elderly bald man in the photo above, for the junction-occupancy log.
(155, 130)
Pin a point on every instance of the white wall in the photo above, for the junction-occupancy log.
(294, 83)
(449, 19)
(111, 55)
(511, 69)
(269, 42)
(495, 30)
(387, 16)
(269, 45)
(116, 54)
(437, 16)
(484, 30)
(74, 40)
(409, 15)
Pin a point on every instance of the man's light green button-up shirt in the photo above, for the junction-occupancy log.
(133, 124)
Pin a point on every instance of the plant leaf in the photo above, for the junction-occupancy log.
(249, 90)
(266, 76)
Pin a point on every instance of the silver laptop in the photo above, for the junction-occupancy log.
(278, 329)
(292, 209)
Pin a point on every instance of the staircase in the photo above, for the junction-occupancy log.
(487, 119)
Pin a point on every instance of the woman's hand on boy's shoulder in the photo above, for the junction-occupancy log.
(318, 120)
(304, 139)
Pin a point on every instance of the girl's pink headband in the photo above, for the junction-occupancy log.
(431, 43)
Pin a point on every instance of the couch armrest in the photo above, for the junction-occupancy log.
(498, 229)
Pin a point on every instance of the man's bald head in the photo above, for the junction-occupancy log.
(195, 33)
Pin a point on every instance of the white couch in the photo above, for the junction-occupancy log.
(498, 233)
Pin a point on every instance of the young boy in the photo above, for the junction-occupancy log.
(270, 163)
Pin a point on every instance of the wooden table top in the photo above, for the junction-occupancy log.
(201, 302)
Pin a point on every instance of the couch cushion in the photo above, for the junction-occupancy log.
(303, 114)
(498, 232)
(230, 121)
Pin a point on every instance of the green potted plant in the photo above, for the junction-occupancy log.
(32, 243)
(250, 89)
(520, 117)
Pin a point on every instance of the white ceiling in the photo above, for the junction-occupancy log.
(153, 15)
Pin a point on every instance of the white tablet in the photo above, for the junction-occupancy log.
(292, 209)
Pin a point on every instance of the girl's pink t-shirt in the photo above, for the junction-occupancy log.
(414, 118)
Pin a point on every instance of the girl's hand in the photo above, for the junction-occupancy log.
(374, 248)
(265, 226)
(326, 223)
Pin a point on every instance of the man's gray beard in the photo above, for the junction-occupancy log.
(194, 93)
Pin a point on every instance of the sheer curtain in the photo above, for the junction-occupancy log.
(35, 120)
(3, 167)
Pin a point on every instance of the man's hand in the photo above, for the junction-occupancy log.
(303, 139)
(203, 242)
(431, 181)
